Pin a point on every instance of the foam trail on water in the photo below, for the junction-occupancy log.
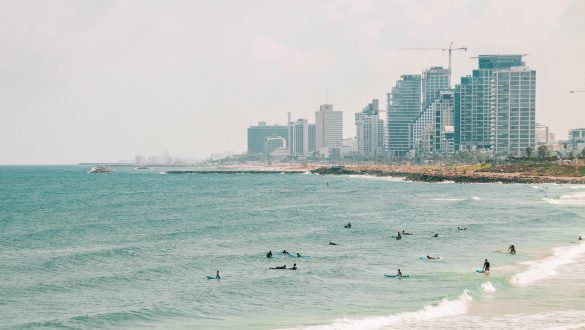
(442, 309)
(381, 178)
(547, 267)
(577, 199)
(488, 287)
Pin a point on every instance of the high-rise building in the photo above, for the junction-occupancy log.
(515, 111)
(495, 106)
(370, 131)
(298, 142)
(434, 81)
(312, 138)
(328, 127)
(404, 106)
(433, 130)
(258, 134)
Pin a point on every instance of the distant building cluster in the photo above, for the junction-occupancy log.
(492, 111)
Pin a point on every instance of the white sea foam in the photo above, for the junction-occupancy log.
(577, 199)
(488, 287)
(443, 309)
(475, 198)
(380, 178)
(448, 199)
(547, 267)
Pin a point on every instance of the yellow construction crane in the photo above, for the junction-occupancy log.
(450, 50)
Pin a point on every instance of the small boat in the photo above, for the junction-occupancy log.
(142, 167)
(100, 169)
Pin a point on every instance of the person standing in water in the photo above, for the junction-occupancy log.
(217, 275)
(399, 273)
(398, 236)
(486, 266)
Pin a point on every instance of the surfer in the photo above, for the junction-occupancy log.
(284, 252)
(398, 236)
(436, 235)
(580, 238)
(278, 267)
(269, 254)
(217, 275)
(331, 243)
(512, 249)
(294, 267)
(399, 273)
(432, 258)
(462, 228)
(348, 225)
(486, 266)
(403, 233)
(298, 255)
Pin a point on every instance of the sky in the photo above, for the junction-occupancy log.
(85, 81)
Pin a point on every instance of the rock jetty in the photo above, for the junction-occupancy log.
(442, 174)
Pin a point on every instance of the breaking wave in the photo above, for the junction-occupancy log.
(444, 308)
(547, 267)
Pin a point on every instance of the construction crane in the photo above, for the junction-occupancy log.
(573, 92)
(450, 50)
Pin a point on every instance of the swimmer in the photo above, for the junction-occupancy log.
(512, 249)
(269, 254)
(278, 267)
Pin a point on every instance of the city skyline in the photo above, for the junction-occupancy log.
(105, 82)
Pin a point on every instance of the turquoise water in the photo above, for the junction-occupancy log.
(132, 249)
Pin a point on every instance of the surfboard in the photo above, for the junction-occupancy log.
(295, 256)
(392, 276)
(212, 278)
(481, 271)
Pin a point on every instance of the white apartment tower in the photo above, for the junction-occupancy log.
(369, 131)
(328, 127)
(298, 138)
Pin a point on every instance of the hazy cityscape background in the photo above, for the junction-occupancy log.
(105, 81)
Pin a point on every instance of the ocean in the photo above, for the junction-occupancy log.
(132, 249)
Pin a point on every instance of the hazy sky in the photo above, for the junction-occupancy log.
(105, 80)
